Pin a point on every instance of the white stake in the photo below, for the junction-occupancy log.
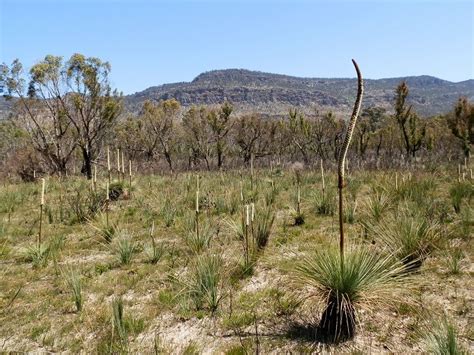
(42, 191)
(108, 159)
(197, 201)
(253, 211)
(247, 221)
(123, 165)
(118, 160)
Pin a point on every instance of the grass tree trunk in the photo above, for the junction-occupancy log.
(338, 321)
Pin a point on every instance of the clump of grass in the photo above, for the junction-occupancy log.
(124, 247)
(83, 204)
(459, 192)
(417, 190)
(376, 206)
(366, 279)
(168, 212)
(154, 251)
(198, 242)
(409, 236)
(465, 223)
(204, 282)
(262, 226)
(271, 194)
(441, 339)
(9, 202)
(106, 228)
(38, 255)
(325, 203)
(118, 323)
(454, 259)
(73, 281)
(350, 208)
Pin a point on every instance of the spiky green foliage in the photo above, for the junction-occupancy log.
(408, 235)
(118, 323)
(83, 204)
(262, 226)
(325, 204)
(442, 339)
(73, 281)
(37, 255)
(454, 258)
(198, 242)
(459, 192)
(367, 278)
(376, 206)
(105, 227)
(155, 252)
(169, 212)
(124, 247)
(204, 282)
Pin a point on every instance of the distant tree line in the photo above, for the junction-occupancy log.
(66, 113)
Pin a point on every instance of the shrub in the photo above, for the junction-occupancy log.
(376, 206)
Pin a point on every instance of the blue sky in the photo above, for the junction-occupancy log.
(153, 42)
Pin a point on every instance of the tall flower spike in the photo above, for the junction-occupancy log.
(352, 123)
(342, 157)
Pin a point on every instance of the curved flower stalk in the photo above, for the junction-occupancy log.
(343, 153)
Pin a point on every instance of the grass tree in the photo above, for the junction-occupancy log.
(347, 280)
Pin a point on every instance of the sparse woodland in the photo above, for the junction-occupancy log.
(196, 229)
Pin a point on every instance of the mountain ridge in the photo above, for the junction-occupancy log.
(274, 94)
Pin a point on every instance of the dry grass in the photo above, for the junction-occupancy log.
(262, 310)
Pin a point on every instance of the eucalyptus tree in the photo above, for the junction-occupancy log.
(461, 123)
(39, 111)
(66, 104)
(197, 135)
(160, 122)
(256, 137)
(412, 129)
(220, 124)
